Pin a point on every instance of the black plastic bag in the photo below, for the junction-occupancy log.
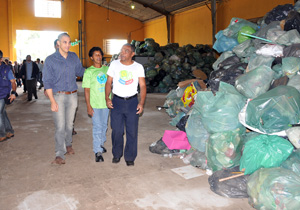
(226, 75)
(181, 124)
(292, 21)
(278, 13)
(232, 188)
(292, 51)
(159, 147)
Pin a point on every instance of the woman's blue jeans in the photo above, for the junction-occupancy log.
(100, 118)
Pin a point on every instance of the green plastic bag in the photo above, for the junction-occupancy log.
(274, 110)
(195, 131)
(245, 49)
(293, 162)
(173, 103)
(223, 57)
(256, 61)
(223, 150)
(247, 30)
(236, 24)
(220, 112)
(265, 151)
(290, 66)
(274, 188)
(255, 82)
(294, 82)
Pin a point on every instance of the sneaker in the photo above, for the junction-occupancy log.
(98, 157)
(116, 160)
(130, 163)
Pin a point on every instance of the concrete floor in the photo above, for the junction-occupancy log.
(29, 181)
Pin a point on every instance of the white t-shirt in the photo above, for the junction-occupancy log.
(125, 78)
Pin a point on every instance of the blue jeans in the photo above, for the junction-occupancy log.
(5, 126)
(123, 115)
(63, 121)
(99, 118)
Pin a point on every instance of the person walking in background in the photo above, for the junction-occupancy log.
(7, 82)
(125, 75)
(30, 73)
(93, 82)
(17, 74)
(40, 65)
(59, 77)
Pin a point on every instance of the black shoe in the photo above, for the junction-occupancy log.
(98, 157)
(116, 160)
(29, 99)
(35, 97)
(130, 163)
(103, 149)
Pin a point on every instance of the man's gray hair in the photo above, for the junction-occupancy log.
(131, 46)
(63, 34)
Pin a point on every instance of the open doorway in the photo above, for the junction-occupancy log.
(38, 44)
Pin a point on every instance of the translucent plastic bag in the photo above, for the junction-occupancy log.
(199, 160)
(259, 60)
(173, 103)
(244, 49)
(295, 82)
(290, 66)
(270, 50)
(195, 131)
(224, 43)
(289, 38)
(228, 75)
(278, 71)
(274, 110)
(293, 162)
(274, 188)
(255, 82)
(294, 136)
(263, 33)
(232, 188)
(221, 59)
(292, 51)
(264, 151)
(236, 24)
(176, 119)
(223, 149)
(220, 112)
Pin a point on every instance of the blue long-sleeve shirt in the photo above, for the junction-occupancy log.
(59, 73)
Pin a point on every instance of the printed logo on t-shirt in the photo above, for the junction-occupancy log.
(126, 77)
(101, 78)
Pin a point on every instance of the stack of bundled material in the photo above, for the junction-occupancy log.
(173, 64)
(254, 86)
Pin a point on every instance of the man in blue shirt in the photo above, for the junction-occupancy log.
(7, 82)
(59, 77)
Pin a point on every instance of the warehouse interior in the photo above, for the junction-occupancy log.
(28, 180)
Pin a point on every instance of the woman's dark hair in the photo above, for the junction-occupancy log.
(91, 52)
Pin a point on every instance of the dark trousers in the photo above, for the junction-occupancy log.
(24, 85)
(123, 115)
(31, 88)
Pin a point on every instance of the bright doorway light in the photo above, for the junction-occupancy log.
(38, 44)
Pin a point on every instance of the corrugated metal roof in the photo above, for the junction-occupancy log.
(146, 10)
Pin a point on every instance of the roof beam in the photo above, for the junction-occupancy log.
(157, 9)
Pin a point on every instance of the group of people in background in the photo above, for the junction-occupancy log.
(27, 74)
(113, 88)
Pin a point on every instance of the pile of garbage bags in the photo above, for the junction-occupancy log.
(247, 122)
(172, 63)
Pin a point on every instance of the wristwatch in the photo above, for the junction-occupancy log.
(13, 92)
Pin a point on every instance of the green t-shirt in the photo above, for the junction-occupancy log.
(95, 79)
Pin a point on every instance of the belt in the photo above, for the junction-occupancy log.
(67, 92)
(125, 98)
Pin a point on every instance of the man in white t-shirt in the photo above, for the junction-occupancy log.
(125, 75)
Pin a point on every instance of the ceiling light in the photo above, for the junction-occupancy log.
(132, 5)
